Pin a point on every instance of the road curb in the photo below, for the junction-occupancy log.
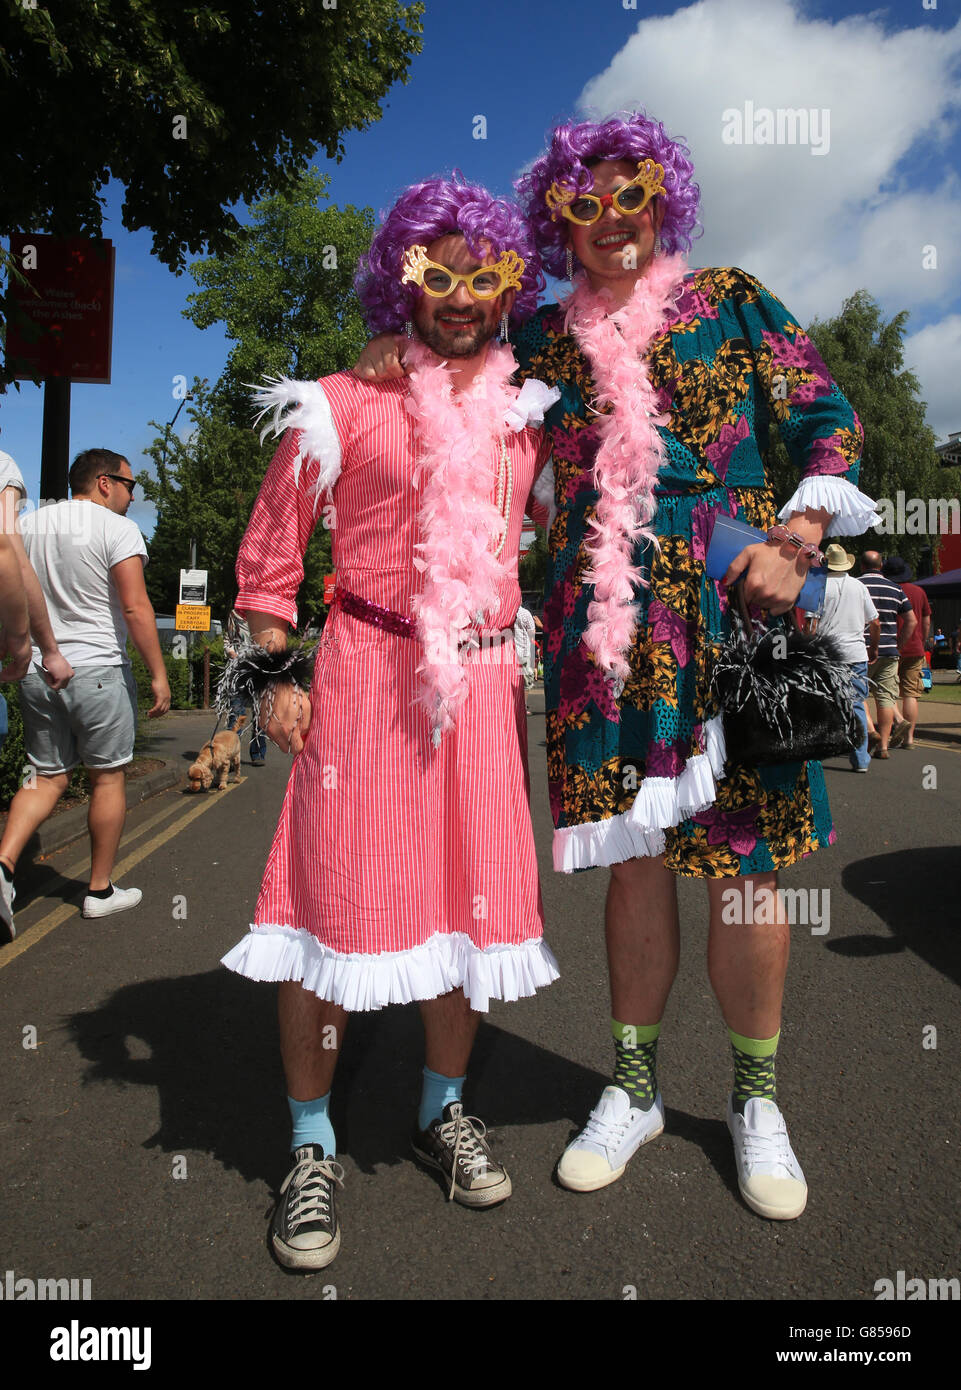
(72, 825)
(937, 735)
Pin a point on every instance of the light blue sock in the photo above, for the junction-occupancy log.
(312, 1124)
(438, 1091)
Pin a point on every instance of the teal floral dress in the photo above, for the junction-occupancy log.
(646, 773)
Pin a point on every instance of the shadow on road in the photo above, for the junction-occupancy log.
(916, 892)
(215, 1064)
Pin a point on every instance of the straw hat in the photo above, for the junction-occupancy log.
(838, 559)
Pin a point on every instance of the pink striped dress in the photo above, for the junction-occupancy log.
(398, 871)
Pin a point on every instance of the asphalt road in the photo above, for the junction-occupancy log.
(144, 1134)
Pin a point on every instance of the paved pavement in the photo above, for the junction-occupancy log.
(144, 1133)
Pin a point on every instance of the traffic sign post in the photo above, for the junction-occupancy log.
(193, 615)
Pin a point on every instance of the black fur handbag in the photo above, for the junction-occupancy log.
(785, 697)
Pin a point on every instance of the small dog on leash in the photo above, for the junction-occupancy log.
(215, 761)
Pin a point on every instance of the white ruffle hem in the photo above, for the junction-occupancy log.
(853, 510)
(360, 983)
(638, 833)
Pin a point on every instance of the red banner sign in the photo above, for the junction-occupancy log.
(61, 320)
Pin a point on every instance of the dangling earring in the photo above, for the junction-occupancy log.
(410, 328)
(570, 264)
(657, 244)
(504, 327)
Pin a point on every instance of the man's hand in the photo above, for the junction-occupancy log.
(56, 670)
(161, 697)
(289, 718)
(382, 359)
(772, 580)
(15, 651)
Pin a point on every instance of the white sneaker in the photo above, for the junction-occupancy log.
(120, 899)
(613, 1134)
(768, 1174)
(7, 894)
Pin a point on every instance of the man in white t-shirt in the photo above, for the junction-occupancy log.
(22, 613)
(847, 612)
(16, 664)
(89, 561)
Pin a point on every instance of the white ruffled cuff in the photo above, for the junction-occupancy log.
(303, 405)
(638, 833)
(529, 406)
(359, 983)
(853, 511)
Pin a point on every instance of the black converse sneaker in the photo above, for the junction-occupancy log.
(305, 1233)
(454, 1145)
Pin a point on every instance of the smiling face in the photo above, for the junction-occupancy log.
(618, 246)
(458, 325)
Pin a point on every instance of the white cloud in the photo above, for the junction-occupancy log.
(815, 227)
(933, 354)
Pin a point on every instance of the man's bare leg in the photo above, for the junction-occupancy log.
(885, 725)
(643, 949)
(305, 1233)
(910, 707)
(643, 939)
(450, 1027)
(445, 1140)
(28, 810)
(106, 817)
(747, 956)
(747, 959)
(311, 1034)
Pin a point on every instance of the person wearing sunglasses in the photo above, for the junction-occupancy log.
(403, 866)
(669, 379)
(89, 561)
(687, 369)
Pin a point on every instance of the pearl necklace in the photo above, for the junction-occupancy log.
(505, 491)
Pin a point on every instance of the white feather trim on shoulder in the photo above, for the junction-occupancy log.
(533, 400)
(303, 406)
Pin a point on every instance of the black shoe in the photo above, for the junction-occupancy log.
(304, 1232)
(454, 1145)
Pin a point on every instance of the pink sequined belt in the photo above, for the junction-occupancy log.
(388, 621)
(375, 614)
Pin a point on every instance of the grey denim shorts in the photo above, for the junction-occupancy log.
(93, 721)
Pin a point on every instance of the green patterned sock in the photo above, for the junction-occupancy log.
(635, 1069)
(753, 1068)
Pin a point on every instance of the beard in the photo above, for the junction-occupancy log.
(450, 341)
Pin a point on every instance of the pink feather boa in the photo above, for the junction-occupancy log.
(631, 449)
(459, 437)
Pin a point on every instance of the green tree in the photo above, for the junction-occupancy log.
(205, 489)
(192, 107)
(865, 356)
(532, 570)
(283, 289)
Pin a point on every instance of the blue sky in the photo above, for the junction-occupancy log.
(864, 212)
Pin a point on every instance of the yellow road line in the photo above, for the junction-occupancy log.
(128, 839)
(60, 914)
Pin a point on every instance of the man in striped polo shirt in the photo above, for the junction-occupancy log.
(891, 602)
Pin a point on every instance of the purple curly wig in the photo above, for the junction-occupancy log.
(434, 209)
(629, 136)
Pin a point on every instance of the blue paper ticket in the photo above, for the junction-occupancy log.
(729, 539)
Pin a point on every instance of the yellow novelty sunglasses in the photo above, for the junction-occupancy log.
(439, 281)
(630, 198)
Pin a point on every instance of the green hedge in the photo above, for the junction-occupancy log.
(13, 759)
